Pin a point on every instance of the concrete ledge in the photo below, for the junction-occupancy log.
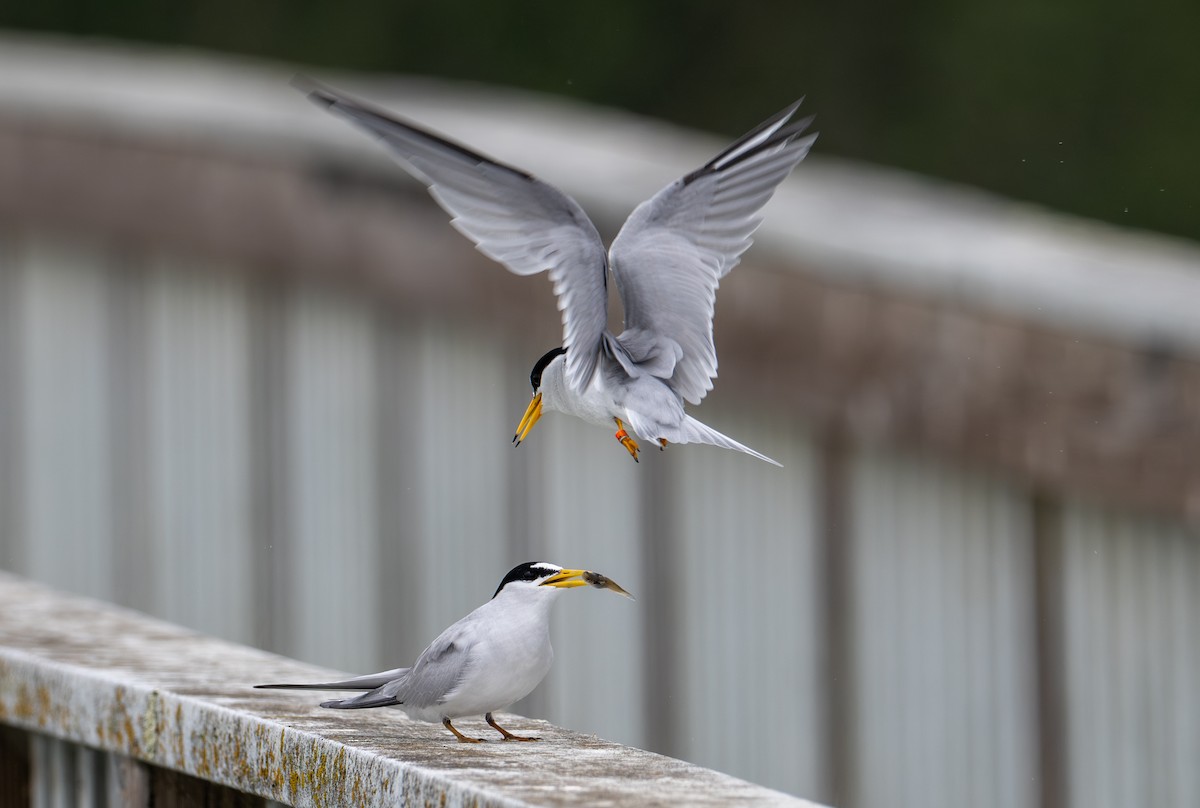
(112, 679)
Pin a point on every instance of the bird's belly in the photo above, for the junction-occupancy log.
(593, 409)
(506, 672)
(433, 713)
(648, 404)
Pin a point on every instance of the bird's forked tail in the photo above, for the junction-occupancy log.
(696, 432)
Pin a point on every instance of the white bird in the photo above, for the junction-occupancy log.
(488, 660)
(667, 261)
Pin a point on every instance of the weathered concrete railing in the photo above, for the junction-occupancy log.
(98, 703)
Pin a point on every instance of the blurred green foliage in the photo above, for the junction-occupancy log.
(1090, 106)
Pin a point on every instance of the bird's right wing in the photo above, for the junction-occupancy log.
(513, 218)
(675, 247)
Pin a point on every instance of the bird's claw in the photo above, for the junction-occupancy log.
(461, 738)
(629, 443)
(506, 735)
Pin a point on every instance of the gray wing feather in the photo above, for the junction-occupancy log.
(513, 218)
(674, 249)
(439, 669)
(369, 681)
(435, 674)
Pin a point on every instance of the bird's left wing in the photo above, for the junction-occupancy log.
(439, 668)
(512, 217)
(676, 246)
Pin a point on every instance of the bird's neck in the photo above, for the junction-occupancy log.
(592, 405)
(554, 385)
(528, 611)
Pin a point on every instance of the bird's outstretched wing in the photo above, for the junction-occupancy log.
(511, 216)
(675, 247)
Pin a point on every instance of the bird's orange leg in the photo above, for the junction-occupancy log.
(461, 738)
(629, 443)
(508, 736)
(662, 444)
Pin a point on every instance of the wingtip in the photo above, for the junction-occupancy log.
(315, 91)
(762, 456)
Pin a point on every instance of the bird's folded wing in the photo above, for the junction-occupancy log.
(512, 217)
(674, 249)
(437, 672)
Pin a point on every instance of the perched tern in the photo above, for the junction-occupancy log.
(667, 261)
(488, 660)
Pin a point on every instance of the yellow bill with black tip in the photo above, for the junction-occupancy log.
(532, 413)
(566, 579)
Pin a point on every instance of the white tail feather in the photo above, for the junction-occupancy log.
(696, 432)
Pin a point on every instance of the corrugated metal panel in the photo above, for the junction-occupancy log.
(942, 616)
(331, 485)
(748, 575)
(66, 458)
(11, 393)
(456, 441)
(1132, 660)
(199, 487)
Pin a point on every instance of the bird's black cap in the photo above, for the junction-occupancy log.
(535, 377)
(529, 571)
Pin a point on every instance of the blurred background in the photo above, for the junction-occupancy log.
(253, 383)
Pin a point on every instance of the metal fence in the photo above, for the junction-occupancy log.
(283, 419)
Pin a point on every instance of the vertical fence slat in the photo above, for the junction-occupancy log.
(128, 782)
(330, 479)
(922, 537)
(66, 458)
(749, 661)
(1130, 620)
(200, 486)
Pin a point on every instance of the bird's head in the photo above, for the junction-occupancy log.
(534, 411)
(547, 578)
(541, 576)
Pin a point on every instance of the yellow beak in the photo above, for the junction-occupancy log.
(532, 413)
(566, 579)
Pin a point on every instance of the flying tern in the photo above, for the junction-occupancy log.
(667, 261)
(488, 660)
